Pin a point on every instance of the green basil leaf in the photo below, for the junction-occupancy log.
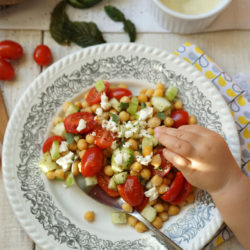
(143, 105)
(161, 115)
(86, 34)
(60, 24)
(129, 27)
(115, 118)
(124, 105)
(114, 13)
(69, 138)
(83, 4)
(121, 144)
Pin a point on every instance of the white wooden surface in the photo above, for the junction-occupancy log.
(229, 49)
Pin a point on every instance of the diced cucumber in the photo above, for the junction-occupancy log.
(119, 218)
(160, 103)
(70, 180)
(71, 109)
(115, 104)
(133, 105)
(112, 184)
(90, 181)
(46, 164)
(171, 93)
(120, 178)
(54, 151)
(124, 105)
(59, 129)
(100, 86)
(149, 141)
(149, 213)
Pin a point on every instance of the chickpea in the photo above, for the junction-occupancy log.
(153, 202)
(75, 169)
(173, 210)
(89, 216)
(82, 144)
(124, 86)
(145, 173)
(178, 104)
(159, 207)
(164, 216)
(95, 107)
(160, 86)
(108, 170)
(157, 222)
(136, 153)
(166, 206)
(149, 104)
(154, 122)
(133, 173)
(132, 118)
(156, 180)
(136, 166)
(85, 104)
(147, 150)
(125, 99)
(89, 138)
(133, 144)
(143, 91)
(169, 122)
(158, 92)
(124, 116)
(142, 98)
(78, 105)
(50, 175)
(192, 119)
(73, 146)
(140, 227)
(65, 106)
(190, 198)
(57, 120)
(132, 221)
(88, 109)
(113, 111)
(162, 188)
(127, 207)
(149, 93)
(59, 173)
(156, 161)
(150, 131)
(81, 153)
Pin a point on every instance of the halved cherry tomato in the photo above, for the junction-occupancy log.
(180, 117)
(47, 144)
(42, 55)
(10, 50)
(92, 162)
(94, 96)
(187, 187)
(132, 191)
(144, 203)
(6, 70)
(174, 189)
(118, 93)
(71, 122)
(103, 138)
(103, 182)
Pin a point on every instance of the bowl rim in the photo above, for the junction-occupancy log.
(221, 6)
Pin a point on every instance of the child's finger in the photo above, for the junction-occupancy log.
(177, 160)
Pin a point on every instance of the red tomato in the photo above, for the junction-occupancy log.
(187, 187)
(180, 117)
(47, 144)
(6, 70)
(42, 55)
(120, 188)
(10, 50)
(132, 190)
(92, 162)
(118, 93)
(94, 96)
(71, 122)
(103, 138)
(103, 182)
(174, 189)
(144, 203)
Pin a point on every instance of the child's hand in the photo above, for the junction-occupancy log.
(200, 154)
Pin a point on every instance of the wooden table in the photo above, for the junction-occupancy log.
(229, 49)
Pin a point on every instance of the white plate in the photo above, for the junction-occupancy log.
(53, 215)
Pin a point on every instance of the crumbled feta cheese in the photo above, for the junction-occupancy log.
(93, 133)
(105, 102)
(145, 113)
(63, 147)
(127, 144)
(128, 133)
(110, 125)
(144, 160)
(118, 158)
(144, 133)
(66, 161)
(99, 111)
(80, 167)
(81, 125)
(152, 193)
(114, 145)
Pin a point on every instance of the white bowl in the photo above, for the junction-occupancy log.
(182, 23)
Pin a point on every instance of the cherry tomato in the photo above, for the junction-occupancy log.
(132, 190)
(92, 162)
(144, 203)
(47, 144)
(6, 70)
(103, 138)
(180, 117)
(42, 55)
(103, 182)
(120, 188)
(71, 122)
(10, 50)
(174, 189)
(118, 93)
(94, 96)
(187, 187)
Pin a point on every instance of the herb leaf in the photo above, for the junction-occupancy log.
(124, 105)
(161, 115)
(115, 118)
(114, 13)
(69, 138)
(83, 4)
(143, 105)
(129, 27)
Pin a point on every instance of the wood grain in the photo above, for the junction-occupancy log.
(4, 117)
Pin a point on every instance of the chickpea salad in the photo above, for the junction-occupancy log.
(108, 138)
